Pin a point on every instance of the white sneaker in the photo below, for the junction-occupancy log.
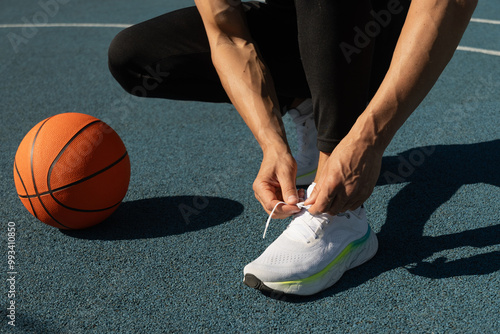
(313, 253)
(307, 154)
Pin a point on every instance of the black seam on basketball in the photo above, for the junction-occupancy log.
(82, 210)
(31, 157)
(25, 190)
(56, 159)
(33, 175)
(77, 182)
(51, 192)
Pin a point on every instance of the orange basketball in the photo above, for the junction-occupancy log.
(71, 171)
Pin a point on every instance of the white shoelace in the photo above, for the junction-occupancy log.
(299, 229)
(300, 205)
(302, 229)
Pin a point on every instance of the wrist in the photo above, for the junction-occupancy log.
(376, 128)
(274, 145)
(272, 138)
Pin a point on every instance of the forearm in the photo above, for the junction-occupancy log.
(430, 35)
(251, 90)
(242, 73)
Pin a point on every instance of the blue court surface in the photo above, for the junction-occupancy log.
(152, 269)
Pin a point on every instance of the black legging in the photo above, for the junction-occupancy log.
(330, 50)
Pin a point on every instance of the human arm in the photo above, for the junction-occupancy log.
(430, 35)
(250, 88)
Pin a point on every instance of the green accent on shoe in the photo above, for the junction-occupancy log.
(307, 174)
(352, 246)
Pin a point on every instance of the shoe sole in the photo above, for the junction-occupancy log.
(305, 179)
(354, 254)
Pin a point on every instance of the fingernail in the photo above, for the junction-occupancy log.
(292, 199)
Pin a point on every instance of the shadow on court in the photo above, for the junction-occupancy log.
(431, 182)
(163, 216)
(432, 176)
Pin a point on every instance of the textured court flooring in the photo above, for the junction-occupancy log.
(151, 269)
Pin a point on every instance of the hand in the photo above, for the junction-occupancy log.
(275, 183)
(347, 179)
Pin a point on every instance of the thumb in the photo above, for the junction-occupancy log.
(289, 190)
(314, 194)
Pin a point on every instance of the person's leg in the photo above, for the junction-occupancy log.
(274, 28)
(169, 56)
(338, 65)
(338, 77)
(360, 51)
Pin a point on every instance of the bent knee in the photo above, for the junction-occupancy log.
(122, 55)
(121, 50)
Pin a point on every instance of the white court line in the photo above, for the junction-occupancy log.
(121, 25)
(485, 21)
(65, 25)
(485, 51)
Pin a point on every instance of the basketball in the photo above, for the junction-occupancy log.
(71, 171)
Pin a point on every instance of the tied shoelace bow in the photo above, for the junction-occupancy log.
(299, 205)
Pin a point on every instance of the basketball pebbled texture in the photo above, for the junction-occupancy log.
(71, 171)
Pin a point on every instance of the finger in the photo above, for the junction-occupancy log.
(356, 205)
(322, 203)
(285, 210)
(266, 195)
(353, 202)
(302, 194)
(281, 210)
(338, 205)
(269, 201)
(314, 194)
(288, 189)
